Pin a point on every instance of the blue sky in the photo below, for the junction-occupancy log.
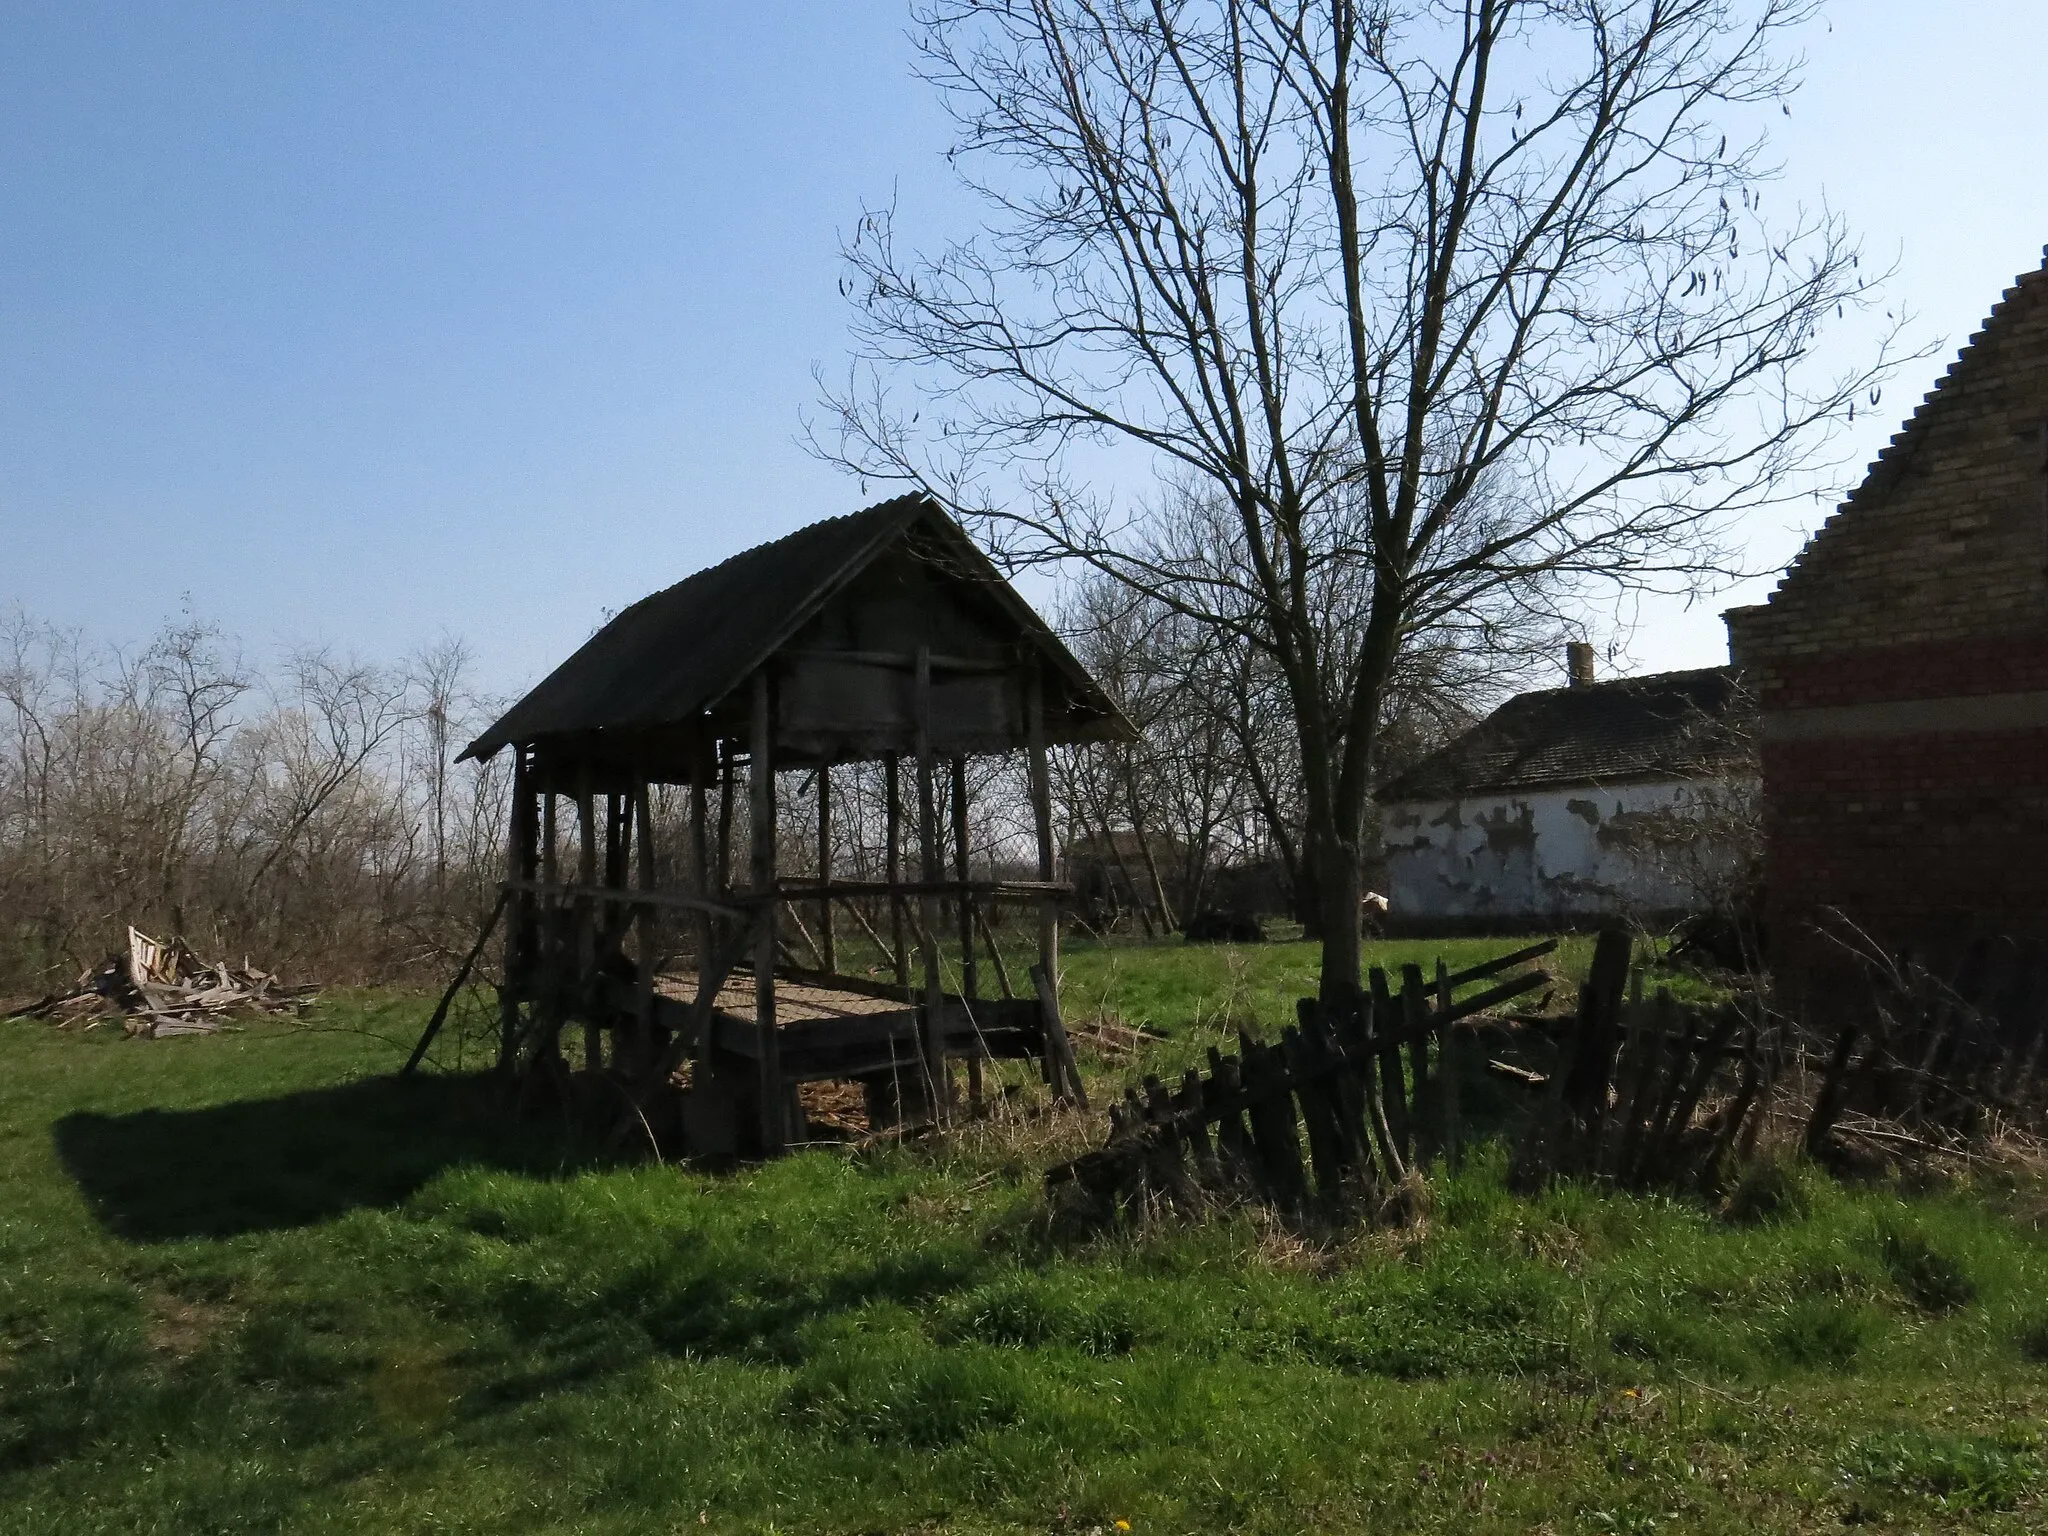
(366, 322)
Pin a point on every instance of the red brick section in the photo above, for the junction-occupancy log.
(1929, 583)
(1952, 669)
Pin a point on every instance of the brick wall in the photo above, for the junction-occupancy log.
(1892, 791)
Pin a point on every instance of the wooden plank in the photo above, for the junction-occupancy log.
(1325, 1141)
(1324, 1059)
(804, 888)
(1221, 1096)
(1643, 1058)
(1827, 1103)
(1679, 1120)
(1425, 1119)
(1344, 1027)
(1375, 1012)
(1187, 1106)
(1501, 963)
(1269, 1105)
(1059, 1050)
(1449, 1066)
(1393, 1077)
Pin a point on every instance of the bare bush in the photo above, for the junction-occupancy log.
(310, 816)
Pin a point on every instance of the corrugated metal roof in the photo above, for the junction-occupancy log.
(673, 655)
(1672, 725)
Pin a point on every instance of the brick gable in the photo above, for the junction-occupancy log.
(1901, 668)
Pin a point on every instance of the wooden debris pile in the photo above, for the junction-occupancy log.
(1372, 1087)
(157, 990)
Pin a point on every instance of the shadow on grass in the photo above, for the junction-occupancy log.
(257, 1165)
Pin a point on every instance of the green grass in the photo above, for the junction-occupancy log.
(250, 1283)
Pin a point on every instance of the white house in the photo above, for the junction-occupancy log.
(1632, 798)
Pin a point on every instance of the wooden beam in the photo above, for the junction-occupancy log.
(761, 814)
(440, 1017)
(687, 901)
(802, 888)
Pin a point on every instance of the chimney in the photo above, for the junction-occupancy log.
(1578, 663)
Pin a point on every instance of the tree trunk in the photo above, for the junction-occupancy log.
(1337, 889)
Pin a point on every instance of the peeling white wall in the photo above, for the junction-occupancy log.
(1535, 855)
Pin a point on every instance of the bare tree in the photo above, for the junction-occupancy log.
(1434, 301)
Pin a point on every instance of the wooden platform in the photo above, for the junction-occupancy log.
(795, 1000)
(833, 1031)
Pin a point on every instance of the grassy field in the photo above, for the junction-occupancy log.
(252, 1283)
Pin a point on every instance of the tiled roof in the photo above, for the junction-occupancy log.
(1672, 725)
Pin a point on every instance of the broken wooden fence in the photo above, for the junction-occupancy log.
(1372, 1086)
(1947, 1058)
(1622, 1104)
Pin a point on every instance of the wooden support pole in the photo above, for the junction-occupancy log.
(702, 875)
(727, 789)
(970, 980)
(644, 1050)
(546, 1029)
(761, 808)
(521, 857)
(892, 865)
(586, 922)
(828, 947)
(1060, 1068)
(932, 871)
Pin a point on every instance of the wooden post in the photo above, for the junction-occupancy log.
(892, 866)
(548, 1028)
(970, 980)
(726, 791)
(706, 875)
(521, 856)
(828, 948)
(1060, 1069)
(642, 1056)
(931, 872)
(586, 920)
(761, 808)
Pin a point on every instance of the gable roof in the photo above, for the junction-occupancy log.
(1671, 725)
(675, 654)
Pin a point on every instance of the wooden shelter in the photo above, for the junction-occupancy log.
(885, 637)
